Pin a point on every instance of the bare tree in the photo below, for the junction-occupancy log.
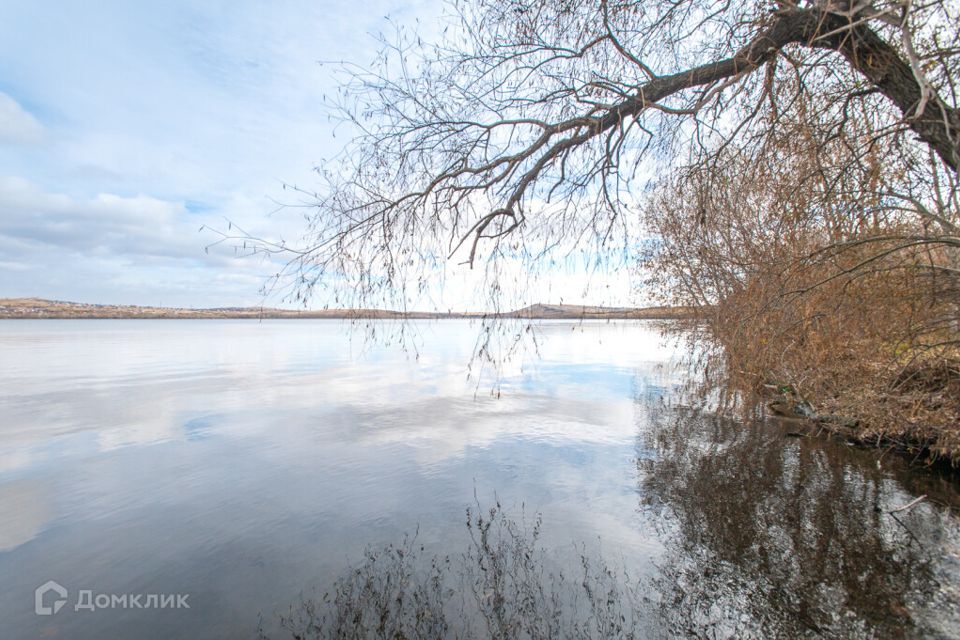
(532, 125)
(536, 129)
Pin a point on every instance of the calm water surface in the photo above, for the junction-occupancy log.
(243, 463)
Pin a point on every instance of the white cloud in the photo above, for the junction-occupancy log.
(106, 223)
(158, 118)
(118, 249)
(17, 125)
(161, 118)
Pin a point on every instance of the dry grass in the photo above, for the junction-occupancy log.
(821, 290)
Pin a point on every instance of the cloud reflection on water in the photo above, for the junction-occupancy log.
(245, 462)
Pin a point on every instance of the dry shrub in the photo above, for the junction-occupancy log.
(819, 285)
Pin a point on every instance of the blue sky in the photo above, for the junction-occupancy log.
(126, 126)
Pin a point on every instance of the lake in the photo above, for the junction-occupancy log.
(239, 465)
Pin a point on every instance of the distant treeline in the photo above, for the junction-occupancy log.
(35, 308)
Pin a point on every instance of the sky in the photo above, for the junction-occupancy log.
(126, 127)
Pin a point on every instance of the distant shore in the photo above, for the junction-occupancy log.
(37, 308)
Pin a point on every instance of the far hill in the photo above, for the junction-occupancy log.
(31, 308)
(573, 311)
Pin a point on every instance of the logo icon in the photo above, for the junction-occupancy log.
(39, 608)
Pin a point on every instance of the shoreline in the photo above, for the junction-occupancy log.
(38, 309)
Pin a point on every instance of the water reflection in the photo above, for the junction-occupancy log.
(244, 463)
(30, 502)
(763, 536)
(770, 536)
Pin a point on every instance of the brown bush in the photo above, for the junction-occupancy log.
(819, 285)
